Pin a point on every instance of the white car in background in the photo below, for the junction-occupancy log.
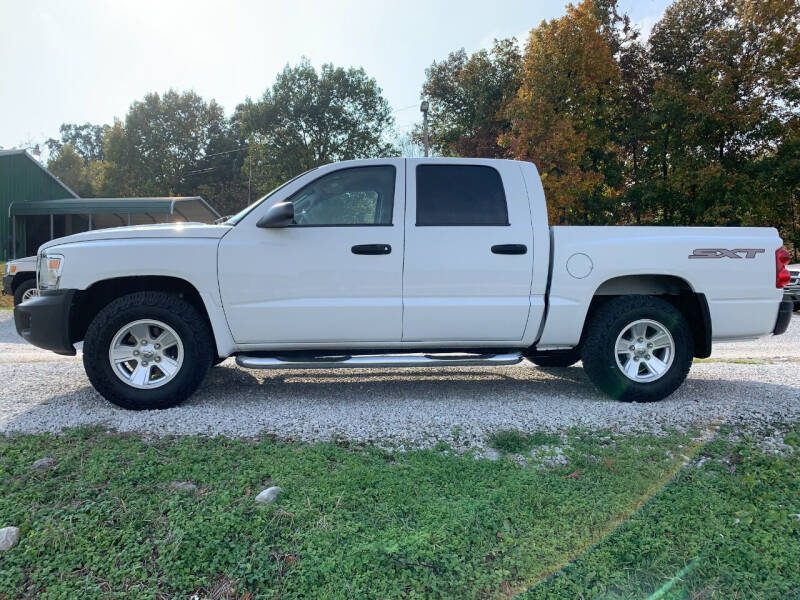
(19, 280)
(792, 289)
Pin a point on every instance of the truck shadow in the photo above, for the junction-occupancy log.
(402, 383)
(226, 401)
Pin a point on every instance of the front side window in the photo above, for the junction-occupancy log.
(354, 196)
(460, 195)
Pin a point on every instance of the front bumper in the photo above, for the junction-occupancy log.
(784, 316)
(44, 321)
(7, 279)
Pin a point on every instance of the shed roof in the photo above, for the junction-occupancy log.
(191, 208)
(24, 153)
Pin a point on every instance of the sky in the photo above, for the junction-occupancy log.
(79, 61)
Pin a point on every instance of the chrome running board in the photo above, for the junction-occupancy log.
(378, 361)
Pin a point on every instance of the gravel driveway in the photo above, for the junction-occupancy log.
(750, 383)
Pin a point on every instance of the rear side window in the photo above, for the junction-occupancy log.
(460, 195)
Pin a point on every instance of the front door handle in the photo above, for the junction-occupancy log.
(510, 249)
(372, 249)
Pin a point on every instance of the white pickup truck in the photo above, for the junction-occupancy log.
(401, 263)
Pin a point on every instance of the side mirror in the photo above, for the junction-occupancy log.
(279, 215)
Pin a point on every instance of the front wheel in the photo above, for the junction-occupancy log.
(147, 350)
(637, 348)
(25, 291)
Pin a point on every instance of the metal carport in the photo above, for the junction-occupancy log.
(73, 215)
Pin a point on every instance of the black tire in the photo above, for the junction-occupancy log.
(556, 358)
(797, 306)
(191, 328)
(23, 287)
(599, 358)
(217, 360)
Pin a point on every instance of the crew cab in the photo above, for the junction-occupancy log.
(401, 262)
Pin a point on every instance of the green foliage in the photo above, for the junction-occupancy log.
(309, 118)
(514, 441)
(697, 126)
(728, 529)
(363, 522)
(87, 140)
(468, 99)
(73, 171)
(162, 143)
(180, 144)
(352, 522)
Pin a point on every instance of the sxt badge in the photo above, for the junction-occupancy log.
(724, 253)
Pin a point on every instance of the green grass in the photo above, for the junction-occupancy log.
(359, 522)
(513, 441)
(6, 302)
(735, 361)
(727, 530)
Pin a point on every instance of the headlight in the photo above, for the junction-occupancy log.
(48, 272)
(11, 268)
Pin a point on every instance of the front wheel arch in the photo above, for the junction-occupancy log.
(89, 302)
(184, 321)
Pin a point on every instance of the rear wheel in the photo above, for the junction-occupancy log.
(556, 358)
(25, 291)
(147, 350)
(638, 348)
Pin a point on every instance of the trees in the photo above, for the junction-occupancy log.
(724, 104)
(70, 167)
(468, 98)
(160, 149)
(77, 156)
(179, 144)
(564, 115)
(308, 118)
(697, 125)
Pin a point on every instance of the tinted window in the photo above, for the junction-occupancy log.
(355, 196)
(460, 195)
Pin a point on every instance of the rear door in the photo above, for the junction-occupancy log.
(468, 252)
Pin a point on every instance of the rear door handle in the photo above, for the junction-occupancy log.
(510, 249)
(372, 249)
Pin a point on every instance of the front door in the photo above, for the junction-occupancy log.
(332, 277)
(469, 252)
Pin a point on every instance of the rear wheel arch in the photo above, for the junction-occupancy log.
(675, 290)
(645, 332)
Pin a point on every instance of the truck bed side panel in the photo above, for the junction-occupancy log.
(741, 293)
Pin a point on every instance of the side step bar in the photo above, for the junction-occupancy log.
(378, 361)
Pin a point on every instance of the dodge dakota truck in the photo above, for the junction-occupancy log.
(401, 263)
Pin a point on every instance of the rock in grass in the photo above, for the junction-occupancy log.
(9, 536)
(491, 454)
(269, 495)
(44, 464)
(183, 486)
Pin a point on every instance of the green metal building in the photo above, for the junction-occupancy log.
(23, 179)
(36, 207)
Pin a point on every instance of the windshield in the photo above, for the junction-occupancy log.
(246, 211)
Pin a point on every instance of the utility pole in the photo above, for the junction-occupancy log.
(424, 108)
